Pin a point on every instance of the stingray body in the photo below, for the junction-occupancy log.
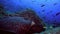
(14, 24)
(22, 23)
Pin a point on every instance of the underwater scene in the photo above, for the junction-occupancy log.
(29, 16)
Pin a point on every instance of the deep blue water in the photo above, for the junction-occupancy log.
(47, 10)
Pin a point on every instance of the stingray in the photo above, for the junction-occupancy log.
(23, 22)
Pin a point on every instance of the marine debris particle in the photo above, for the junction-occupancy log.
(33, 1)
(58, 14)
(55, 4)
(44, 17)
(43, 10)
(51, 11)
(46, 0)
(42, 5)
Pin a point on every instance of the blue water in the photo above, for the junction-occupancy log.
(47, 10)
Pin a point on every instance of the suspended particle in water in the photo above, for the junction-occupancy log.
(57, 13)
(46, 0)
(44, 17)
(43, 10)
(42, 5)
(33, 0)
(55, 4)
(51, 11)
